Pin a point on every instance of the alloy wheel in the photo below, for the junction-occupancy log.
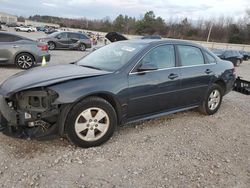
(25, 61)
(82, 47)
(214, 99)
(51, 46)
(92, 124)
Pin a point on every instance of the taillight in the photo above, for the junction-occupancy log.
(43, 47)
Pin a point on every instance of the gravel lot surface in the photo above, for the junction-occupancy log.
(185, 149)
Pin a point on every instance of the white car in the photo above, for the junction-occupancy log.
(25, 29)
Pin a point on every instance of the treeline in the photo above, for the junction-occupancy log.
(223, 29)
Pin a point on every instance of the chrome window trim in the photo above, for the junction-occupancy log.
(181, 67)
(133, 73)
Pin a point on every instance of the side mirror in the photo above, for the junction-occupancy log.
(58, 37)
(147, 67)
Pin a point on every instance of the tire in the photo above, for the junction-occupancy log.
(51, 45)
(238, 62)
(82, 47)
(80, 122)
(211, 99)
(24, 61)
(29, 31)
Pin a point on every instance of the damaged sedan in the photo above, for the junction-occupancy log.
(117, 84)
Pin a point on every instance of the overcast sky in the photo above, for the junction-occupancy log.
(99, 9)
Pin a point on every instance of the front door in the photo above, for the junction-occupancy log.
(62, 40)
(156, 90)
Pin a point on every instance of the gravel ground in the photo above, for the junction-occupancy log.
(181, 150)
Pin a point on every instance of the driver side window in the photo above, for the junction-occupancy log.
(162, 57)
(62, 35)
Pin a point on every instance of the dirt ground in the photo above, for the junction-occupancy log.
(185, 149)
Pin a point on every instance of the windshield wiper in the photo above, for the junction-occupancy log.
(92, 67)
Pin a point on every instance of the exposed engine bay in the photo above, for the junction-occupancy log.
(35, 111)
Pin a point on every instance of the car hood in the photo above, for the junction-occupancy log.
(45, 76)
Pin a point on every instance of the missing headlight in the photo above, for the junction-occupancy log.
(34, 100)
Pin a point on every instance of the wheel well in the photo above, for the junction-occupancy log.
(222, 84)
(24, 53)
(111, 100)
(65, 110)
(51, 42)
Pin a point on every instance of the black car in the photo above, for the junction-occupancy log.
(246, 55)
(119, 83)
(67, 40)
(230, 55)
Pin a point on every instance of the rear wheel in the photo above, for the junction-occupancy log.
(238, 62)
(91, 122)
(51, 45)
(82, 47)
(25, 61)
(212, 101)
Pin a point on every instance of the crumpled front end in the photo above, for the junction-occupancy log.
(30, 113)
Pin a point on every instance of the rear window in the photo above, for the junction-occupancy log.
(82, 36)
(9, 38)
(74, 36)
(210, 58)
(190, 55)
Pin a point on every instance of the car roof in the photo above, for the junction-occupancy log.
(162, 41)
(24, 38)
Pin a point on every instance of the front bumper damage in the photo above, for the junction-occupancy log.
(29, 114)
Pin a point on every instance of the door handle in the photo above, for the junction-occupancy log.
(173, 76)
(208, 71)
(15, 46)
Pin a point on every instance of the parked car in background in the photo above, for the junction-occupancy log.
(119, 83)
(230, 55)
(21, 51)
(246, 55)
(41, 29)
(25, 29)
(11, 25)
(67, 40)
(50, 31)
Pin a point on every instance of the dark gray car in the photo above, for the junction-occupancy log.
(67, 40)
(23, 52)
(119, 83)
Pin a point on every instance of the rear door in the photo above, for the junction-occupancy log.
(8, 47)
(157, 90)
(62, 40)
(196, 74)
(74, 39)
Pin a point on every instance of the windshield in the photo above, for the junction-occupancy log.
(111, 57)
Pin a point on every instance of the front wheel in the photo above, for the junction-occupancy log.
(91, 122)
(51, 45)
(212, 101)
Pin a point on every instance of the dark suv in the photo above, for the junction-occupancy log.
(67, 40)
